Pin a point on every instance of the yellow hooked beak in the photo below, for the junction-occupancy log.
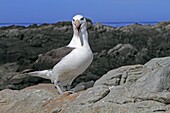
(78, 25)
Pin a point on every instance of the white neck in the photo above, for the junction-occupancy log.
(79, 39)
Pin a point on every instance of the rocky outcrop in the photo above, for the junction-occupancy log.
(112, 47)
(128, 89)
(23, 44)
(131, 88)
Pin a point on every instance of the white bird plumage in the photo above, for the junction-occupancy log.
(74, 63)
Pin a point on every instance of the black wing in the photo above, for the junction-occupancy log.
(51, 58)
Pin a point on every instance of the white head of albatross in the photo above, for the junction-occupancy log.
(79, 24)
(80, 31)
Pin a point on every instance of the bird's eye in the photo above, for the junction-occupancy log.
(82, 18)
(73, 20)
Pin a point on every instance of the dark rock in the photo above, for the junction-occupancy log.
(27, 43)
(33, 26)
(10, 79)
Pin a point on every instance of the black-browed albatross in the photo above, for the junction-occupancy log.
(72, 60)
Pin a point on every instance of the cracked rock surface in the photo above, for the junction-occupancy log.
(128, 89)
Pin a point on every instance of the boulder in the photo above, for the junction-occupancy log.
(123, 75)
(29, 100)
(156, 75)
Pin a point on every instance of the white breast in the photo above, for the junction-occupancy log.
(72, 65)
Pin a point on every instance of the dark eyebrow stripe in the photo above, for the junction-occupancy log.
(82, 18)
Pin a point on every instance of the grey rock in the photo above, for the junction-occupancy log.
(120, 76)
(120, 90)
(93, 95)
(121, 99)
(122, 49)
(156, 63)
(24, 101)
(156, 75)
(82, 86)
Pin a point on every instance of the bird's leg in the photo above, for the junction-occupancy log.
(69, 89)
(58, 88)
